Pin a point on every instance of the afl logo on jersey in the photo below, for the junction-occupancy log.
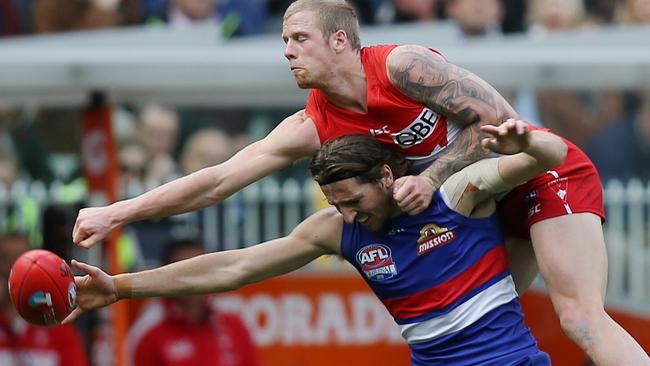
(376, 262)
(433, 236)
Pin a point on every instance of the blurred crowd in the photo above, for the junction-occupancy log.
(249, 17)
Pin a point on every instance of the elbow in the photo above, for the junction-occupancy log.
(228, 281)
(560, 153)
(217, 192)
(558, 156)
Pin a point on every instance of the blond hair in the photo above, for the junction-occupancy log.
(331, 16)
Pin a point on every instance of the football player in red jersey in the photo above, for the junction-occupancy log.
(430, 110)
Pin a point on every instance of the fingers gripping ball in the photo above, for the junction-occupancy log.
(42, 288)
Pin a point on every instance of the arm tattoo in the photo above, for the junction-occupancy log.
(461, 152)
(451, 91)
(455, 93)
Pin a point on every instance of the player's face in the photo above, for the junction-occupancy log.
(308, 51)
(371, 204)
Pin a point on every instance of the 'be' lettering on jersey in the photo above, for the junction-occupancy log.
(421, 128)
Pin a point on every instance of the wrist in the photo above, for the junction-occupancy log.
(427, 176)
(123, 286)
(119, 214)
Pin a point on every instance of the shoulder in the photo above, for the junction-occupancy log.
(295, 136)
(406, 54)
(411, 62)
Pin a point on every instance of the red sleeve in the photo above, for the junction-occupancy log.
(69, 345)
(242, 339)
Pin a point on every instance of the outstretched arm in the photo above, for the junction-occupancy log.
(458, 95)
(214, 272)
(294, 138)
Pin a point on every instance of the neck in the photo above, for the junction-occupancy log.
(347, 87)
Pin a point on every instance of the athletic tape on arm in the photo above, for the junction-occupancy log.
(482, 175)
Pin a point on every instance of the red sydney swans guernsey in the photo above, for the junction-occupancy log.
(407, 126)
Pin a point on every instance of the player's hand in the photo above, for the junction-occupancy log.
(93, 225)
(511, 137)
(413, 193)
(94, 290)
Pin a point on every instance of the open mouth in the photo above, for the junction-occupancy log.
(362, 219)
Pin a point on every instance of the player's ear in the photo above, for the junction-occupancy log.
(387, 178)
(338, 40)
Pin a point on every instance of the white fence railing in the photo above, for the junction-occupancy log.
(627, 231)
(269, 209)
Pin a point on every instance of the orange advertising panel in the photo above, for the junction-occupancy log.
(317, 320)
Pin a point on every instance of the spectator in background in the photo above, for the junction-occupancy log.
(476, 18)
(634, 12)
(189, 330)
(547, 16)
(574, 115)
(400, 11)
(133, 159)
(204, 148)
(622, 150)
(22, 344)
(237, 17)
(157, 131)
(74, 15)
(20, 212)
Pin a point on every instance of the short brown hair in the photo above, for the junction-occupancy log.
(331, 15)
(358, 156)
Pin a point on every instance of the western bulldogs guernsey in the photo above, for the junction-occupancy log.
(445, 280)
(405, 125)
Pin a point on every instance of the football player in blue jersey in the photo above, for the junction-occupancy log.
(442, 274)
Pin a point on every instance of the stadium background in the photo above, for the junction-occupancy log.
(73, 92)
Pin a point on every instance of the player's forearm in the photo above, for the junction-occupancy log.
(208, 273)
(548, 149)
(545, 151)
(189, 193)
(461, 152)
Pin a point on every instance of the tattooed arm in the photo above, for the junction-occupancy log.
(453, 92)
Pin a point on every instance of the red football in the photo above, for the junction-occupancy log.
(41, 286)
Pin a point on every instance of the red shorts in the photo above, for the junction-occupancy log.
(570, 188)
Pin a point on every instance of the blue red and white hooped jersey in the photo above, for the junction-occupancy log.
(444, 278)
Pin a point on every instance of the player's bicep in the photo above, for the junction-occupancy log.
(316, 236)
(293, 139)
(446, 88)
